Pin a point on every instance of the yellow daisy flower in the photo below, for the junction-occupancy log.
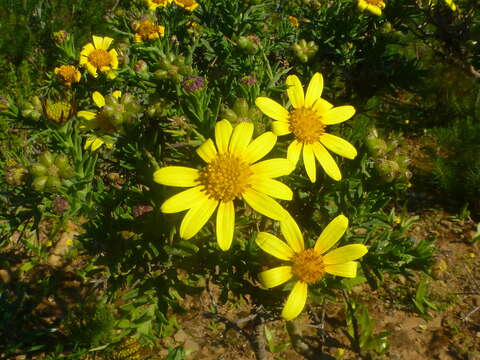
(96, 57)
(189, 5)
(153, 4)
(374, 6)
(148, 30)
(307, 265)
(67, 74)
(232, 172)
(96, 122)
(307, 121)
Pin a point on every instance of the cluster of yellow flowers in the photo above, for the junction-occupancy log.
(233, 171)
(189, 5)
(376, 6)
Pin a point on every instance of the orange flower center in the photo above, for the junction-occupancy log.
(148, 30)
(377, 3)
(99, 58)
(160, 2)
(306, 125)
(308, 266)
(68, 74)
(225, 178)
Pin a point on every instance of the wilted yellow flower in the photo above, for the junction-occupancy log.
(67, 74)
(148, 30)
(294, 21)
(232, 172)
(307, 121)
(307, 265)
(189, 5)
(96, 122)
(96, 57)
(374, 6)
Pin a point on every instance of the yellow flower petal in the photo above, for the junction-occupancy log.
(98, 99)
(344, 254)
(293, 152)
(296, 301)
(241, 137)
(272, 168)
(314, 90)
(196, 217)
(176, 176)
(264, 204)
(106, 42)
(338, 146)
(271, 187)
(338, 114)
(348, 269)
(362, 4)
(260, 147)
(295, 91)
(111, 75)
(272, 109)
(281, 128)
(276, 276)
(87, 50)
(326, 161)
(97, 42)
(92, 69)
(88, 143)
(87, 115)
(116, 94)
(97, 143)
(114, 61)
(274, 246)
(207, 151)
(184, 200)
(309, 162)
(321, 106)
(331, 234)
(223, 131)
(225, 224)
(292, 234)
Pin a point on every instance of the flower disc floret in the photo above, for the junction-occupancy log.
(67, 74)
(225, 178)
(308, 266)
(306, 125)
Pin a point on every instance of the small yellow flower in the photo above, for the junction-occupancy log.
(232, 172)
(397, 220)
(147, 30)
(96, 57)
(374, 6)
(307, 121)
(189, 5)
(67, 74)
(153, 4)
(96, 122)
(307, 265)
(294, 21)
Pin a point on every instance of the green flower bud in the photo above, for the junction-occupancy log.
(46, 159)
(53, 183)
(38, 170)
(241, 107)
(39, 183)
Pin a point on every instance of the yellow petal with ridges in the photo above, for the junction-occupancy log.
(106, 42)
(183, 200)
(271, 187)
(272, 168)
(331, 234)
(344, 254)
(196, 217)
(276, 276)
(176, 176)
(264, 204)
(87, 115)
(338, 115)
(88, 143)
(98, 99)
(87, 50)
(225, 224)
(292, 234)
(272, 109)
(241, 137)
(260, 147)
(296, 301)
(281, 128)
(223, 131)
(92, 69)
(326, 161)
(274, 246)
(295, 91)
(322, 106)
(348, 269)
(114, 60)
(97, 42)
(338, 146)
(309, 162)
(97, 143)
(293, 152)
(207, 151)
(314, 90)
